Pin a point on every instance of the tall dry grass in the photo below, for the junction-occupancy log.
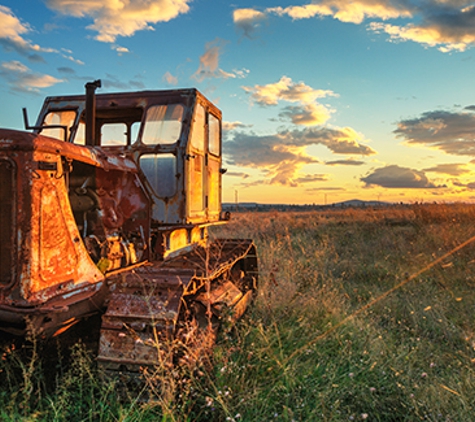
(324, 341)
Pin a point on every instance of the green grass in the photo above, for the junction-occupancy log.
(310, 349)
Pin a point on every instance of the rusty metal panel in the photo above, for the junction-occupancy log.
(142, 312)
(57, 255)
(98, 157)
(224, 294)
(177, 239)
(58, 260)
(122, 200)
(214, 188)
(7, 221)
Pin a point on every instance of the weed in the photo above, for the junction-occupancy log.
(357, 318)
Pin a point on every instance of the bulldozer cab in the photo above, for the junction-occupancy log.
(105, 209)
(173, 136)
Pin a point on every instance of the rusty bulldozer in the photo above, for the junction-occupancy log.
(105, 205)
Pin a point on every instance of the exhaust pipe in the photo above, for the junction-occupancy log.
(91, 111)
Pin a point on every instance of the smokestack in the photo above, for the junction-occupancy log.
(91, 111)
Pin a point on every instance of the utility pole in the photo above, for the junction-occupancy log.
(236, 199)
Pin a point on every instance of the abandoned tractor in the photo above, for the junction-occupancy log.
(105, 208)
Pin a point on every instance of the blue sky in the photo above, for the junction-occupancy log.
(322, 101)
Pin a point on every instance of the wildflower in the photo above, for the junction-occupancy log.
(209, 401)
(432, 364)
(424, 375)
(351, 375)
(364, 416)
(372, 389)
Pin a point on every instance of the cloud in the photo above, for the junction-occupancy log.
(338, 140)
(11, 37)
(21, 78)
(228, 126)
(66, 70)
(237, 174)
(113, 18)
(451, 132)
(279, 161)
(285, 89)
(455, 169)
(394, 176)
(170, 79)
(349, 162)
(355, 11)
(325, 189)
(310, 178)
(112, 81)
(307, 112)
(68, 55)
(280, 156)
(209, 63)
(136, 84)
(120, 50)
(447, 25)
(248, 21)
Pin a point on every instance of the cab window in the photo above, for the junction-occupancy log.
(163, 124)
(113, 134)
(58, 118)
(198, 131)
(214, 135)
(160, 171)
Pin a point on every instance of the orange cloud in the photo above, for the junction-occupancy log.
(451, 132)
(432, 35)
(170, 79)
(124, 18)
(228, 126)
(307, 113)
(345, 11)
(281, 156)
(394, 176)
(209, 63)
(452, 169)
(445, 24)
(248, 20)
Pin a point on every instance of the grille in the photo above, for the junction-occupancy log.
(7, 221)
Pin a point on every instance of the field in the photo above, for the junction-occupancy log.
(362, 314)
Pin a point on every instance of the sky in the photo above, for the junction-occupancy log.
(322, 101)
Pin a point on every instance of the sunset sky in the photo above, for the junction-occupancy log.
(322, 101)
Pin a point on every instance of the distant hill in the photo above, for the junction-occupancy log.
(230, 205)
(360, 203)
(355, 203)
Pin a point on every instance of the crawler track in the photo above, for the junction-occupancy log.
(162, 302)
